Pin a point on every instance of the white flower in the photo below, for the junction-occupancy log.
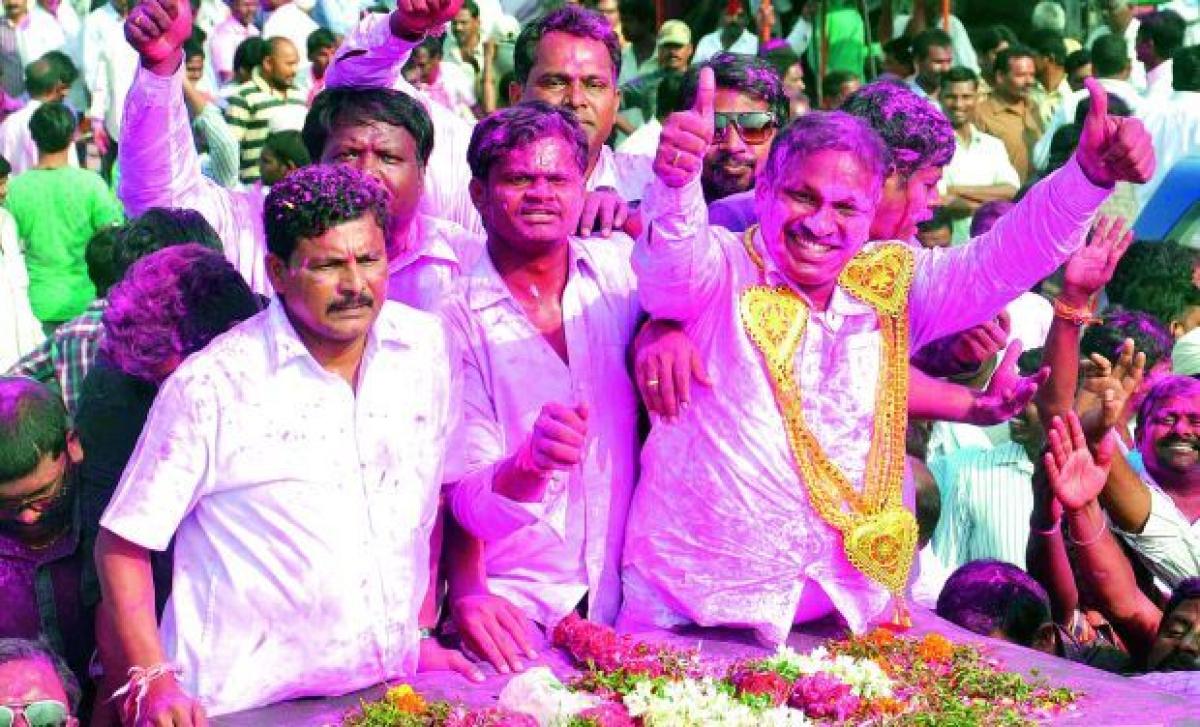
(700, 703)
(538, 693)
(865, 677)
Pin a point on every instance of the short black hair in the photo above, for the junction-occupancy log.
(1156, 277)
(960, 74)
(320, 39)
(101, 267)
(990, 596)
(1050, 44)
(749, 74)
(52, 127)
(41, 77)
(289, 147)
(1165, 29)
(900, 49)
(666, 98)
(940, 219)
(33, 426)
(68, 72)
(312, 200)
(158, 228)
(1077, 59)
(572, 20)
(930, 38)
(434, 44)
(471, 7)
(5, 167)
(1110, 55)
(831, 84)
(1187, 68)
(989, 38)
(1150, 336)
(1186, 590)
(249, 54)
(353, 106)
(638, 9)
(192, 49)
(1004, 57)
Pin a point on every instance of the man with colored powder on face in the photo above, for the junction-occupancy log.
(806, 330)
(549, 440)
(569, 57)
(310, 527)
(382, 132)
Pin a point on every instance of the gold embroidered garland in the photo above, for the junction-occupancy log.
(879, 534)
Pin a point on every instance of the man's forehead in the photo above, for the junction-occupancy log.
(566, 54)
(1187, 403)
(372, 133)
(29, 679)
(546, 154)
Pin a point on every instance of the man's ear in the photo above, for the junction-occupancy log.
(478, 194)
(277, 271)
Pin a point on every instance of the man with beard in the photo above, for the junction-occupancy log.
(1165, 642)
(41, 560)
(750, 106)
(1009, 112)
(932, 53)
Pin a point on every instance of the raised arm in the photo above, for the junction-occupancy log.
(160, 167)
(677, 260)
(374, 53)
(960, 287)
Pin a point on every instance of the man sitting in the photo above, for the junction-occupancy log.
(301, 522)
(719, 533)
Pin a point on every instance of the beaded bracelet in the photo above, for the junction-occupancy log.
(1075, 316)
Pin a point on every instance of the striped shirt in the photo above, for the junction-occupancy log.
(66, 356)
(986, 502)
(249, 114)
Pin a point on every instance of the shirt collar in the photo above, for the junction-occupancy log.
(425, 239)
(285, 345)
(1011, 453)
(604, 174)
(486, 288)
(841, 303)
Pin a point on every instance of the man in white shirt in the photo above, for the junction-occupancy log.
(964, 52)
(1174, 124)
(796, 333)
(1159, 36)
(46, 80)
(549, 436)
(229, 34)
(301, 522)
(32, 35)
(109, 64)
(1120, 21)
(979, 171)
(732, 36)
(568, 57)
(380, 131)
(287, 20)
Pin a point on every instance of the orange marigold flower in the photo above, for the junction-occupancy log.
(935, 647)
(880, 637)
(406, 700)
(887, 705)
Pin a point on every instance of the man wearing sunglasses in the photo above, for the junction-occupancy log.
(40, 558)
(37, 689)
(749, 107)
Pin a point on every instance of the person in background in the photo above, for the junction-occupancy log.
(1175, 124)
(248, 56)
(58, 208)
(1009, 112)
(935, 231)
(322, 44)
(1158, 278)
(639, 95)
(639, 53)
(932, 54)
(928, 14)
(36, 685)
(1159, 36)
(225, 38)
(997, 599)
(1050, 15)
(980, 171)
(108, 68)
(731, 36)
(194, 69)
(897, 58)
(1078, 67)
(270, 92)
(1049, 61)
(285, 19)
(444, 83)
(988, 42)
(40, 541)
(20, 331)
(24, 37)
(1120, 22)
(283, 152)
(45, 80)
(787, 64)
(836, 87)
(644, 139)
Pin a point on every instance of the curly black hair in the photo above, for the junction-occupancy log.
(311, 200)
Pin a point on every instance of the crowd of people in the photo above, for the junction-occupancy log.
(347, 341)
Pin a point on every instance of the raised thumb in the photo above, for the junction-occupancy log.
(1097, 117)
(706, 89)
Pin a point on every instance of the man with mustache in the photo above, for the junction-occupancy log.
(301, 522)
(765, 504)
(549, 438)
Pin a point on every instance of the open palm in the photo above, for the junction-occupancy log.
(1076, 477)
(1091, 267)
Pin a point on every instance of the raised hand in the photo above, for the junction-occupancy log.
(412, 19)
(157, 30)
(1075, 476)
(686, 136)
(1109, 386)
(1091, 267)
(1111, 148)
(1008, 393)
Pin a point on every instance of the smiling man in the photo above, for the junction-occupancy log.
(764, 505)
(270, 601)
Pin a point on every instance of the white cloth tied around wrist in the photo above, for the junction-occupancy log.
(139, 683)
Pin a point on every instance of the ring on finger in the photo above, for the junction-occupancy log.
(675, 159)
(652, 383)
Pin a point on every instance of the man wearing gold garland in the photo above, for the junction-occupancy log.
(780, 495)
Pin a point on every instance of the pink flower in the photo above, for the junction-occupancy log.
(609, 714)
(822, 696)
(766, 683)
(492, 717)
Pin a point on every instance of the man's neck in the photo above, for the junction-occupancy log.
(593, 160)
(964, 132)
(540, 276)
(1184, 491)
(1052, 78)
(53, 160)
(1005, 98)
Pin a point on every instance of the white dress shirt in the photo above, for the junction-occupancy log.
(223, 43)
(1169, 545)
(720, 532)
(1160, 81)
(1174, 127)
(113, 63)
(372, 56)
(296, 25)
(1137, 75)
(160, 168)
(643, 142)
(544, 556)
(981, 162)
(16, 141)
(20, 331)
(301, 521)
(710, 45)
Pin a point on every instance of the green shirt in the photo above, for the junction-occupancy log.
(57, 212)
(847, 41)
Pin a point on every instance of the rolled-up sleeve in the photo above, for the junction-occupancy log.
(956, 288)
(371, 56)
(677, 260)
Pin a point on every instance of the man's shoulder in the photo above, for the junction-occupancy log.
(403, 324)
(239, 353)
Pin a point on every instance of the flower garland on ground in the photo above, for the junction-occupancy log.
(877, 679)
